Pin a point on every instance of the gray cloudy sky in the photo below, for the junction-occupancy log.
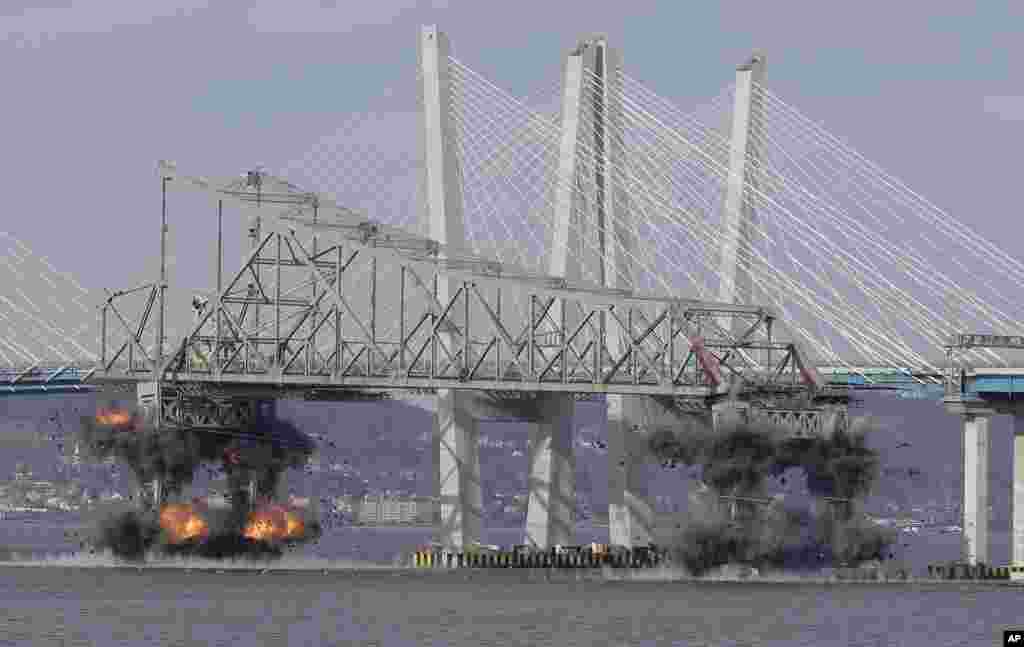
(95, 92)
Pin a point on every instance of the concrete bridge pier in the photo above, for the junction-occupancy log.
(551, 507)
(630, 468)
(456, 448)
(974, 494)
(975, 487)
(1017, 498)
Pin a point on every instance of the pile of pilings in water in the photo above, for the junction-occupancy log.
(559, 557)
(962, 571)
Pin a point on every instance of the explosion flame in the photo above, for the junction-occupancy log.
(114, 418)
(183, 522)
(272, 523)
(254, 459)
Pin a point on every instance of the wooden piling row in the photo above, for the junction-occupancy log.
(567, 558)
(968, 572)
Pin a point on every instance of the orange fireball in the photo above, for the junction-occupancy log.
(182, 522)
(274, 523)
(113, 417)
(294, 527)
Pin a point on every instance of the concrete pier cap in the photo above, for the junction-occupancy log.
(967, 406)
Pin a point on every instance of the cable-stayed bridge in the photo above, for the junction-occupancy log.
(593, 239)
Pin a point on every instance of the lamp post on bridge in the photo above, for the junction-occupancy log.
(160, 332)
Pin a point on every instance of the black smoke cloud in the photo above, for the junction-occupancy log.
(840, 465)
(258, 454)
(172, 455)
(759, 535)
(736, 461)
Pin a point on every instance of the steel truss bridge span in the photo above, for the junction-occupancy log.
(356, 304)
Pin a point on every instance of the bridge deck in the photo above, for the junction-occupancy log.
(70, 379)
(995, 380)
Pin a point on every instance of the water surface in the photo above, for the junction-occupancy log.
(105, 606)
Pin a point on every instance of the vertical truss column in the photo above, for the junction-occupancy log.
(151, 494)
(455, 433)
(161, 331)
(739, 218)
(975, 488)
(255, 180)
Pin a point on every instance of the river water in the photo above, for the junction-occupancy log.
(106, 606)
(341, 592)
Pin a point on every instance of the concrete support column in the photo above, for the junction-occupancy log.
(630, 512)
(551, 508)
(1017, 499)
(975, 488)
(457, 448)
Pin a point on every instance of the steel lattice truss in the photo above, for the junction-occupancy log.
(327, 299)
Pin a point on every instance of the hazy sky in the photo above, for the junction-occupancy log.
(95, 92)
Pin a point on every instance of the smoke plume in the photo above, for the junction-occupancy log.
(839, 465)
(745, 527)
(253, 460)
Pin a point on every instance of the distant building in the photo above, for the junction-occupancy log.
(370, 509)
(344, 505)
(391, 510)
(25, 488)
(383, 509)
